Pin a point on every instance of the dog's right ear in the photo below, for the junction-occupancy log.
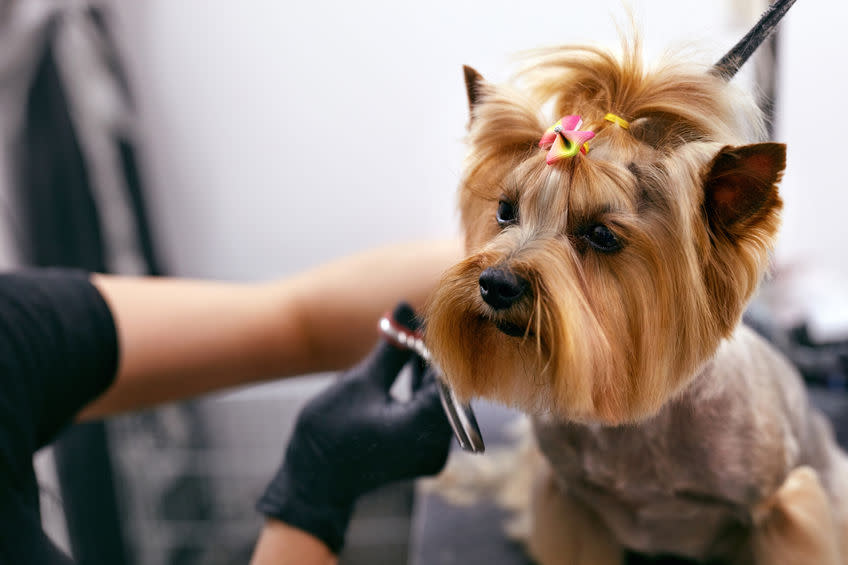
(740, 187)
(474, 82)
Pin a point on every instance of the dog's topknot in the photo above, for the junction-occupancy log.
(670, 104)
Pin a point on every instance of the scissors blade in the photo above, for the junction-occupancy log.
(460, 416)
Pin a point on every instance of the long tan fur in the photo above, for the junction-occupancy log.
(645, 181)
(639, 347)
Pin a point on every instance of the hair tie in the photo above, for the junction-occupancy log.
(564, 139)
(617, 120)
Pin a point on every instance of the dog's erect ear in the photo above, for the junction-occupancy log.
(474, 82)
(740, 187)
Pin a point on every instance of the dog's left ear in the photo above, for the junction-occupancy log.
(740, 186)
(474, 83)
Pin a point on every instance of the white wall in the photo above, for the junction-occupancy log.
(281, 134)
(813, 122)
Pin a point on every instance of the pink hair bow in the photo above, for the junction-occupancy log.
(563, 139)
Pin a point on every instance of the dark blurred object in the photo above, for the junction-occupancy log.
(78, 194)
(53, 181)
(824, 367)
(801, 311)
(822, 364)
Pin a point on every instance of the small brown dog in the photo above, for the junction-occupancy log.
(602, 295)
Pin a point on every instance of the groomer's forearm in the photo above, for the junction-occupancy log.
(345, 298)
(180, 338)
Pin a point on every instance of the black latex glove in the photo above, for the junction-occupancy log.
(354, 437)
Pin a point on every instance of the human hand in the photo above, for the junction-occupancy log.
(354, 437)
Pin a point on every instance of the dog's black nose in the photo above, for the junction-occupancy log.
(501, 288)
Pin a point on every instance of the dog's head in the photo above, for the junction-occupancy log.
(597, 285)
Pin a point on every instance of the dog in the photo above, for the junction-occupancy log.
(610, 258)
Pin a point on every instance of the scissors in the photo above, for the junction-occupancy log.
(460, 416)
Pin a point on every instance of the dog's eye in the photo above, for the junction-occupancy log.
(601, 238)
(507, 214)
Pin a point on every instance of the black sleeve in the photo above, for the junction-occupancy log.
(58, 351)
(22, 541)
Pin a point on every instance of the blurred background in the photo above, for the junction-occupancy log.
(251, 140)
